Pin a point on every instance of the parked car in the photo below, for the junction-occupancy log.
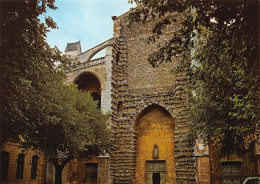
(252, 180)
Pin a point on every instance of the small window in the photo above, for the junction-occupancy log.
(120, 106)
(4, 164)
(20, 166)
(117, 57)
(34, 167)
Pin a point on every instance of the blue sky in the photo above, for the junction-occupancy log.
(86, 20)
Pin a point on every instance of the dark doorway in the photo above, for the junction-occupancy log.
(156, 178)
(91, 173)
(155, 172)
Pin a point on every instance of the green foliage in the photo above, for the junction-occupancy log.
(51, 116)
(27, 64)
(73, 125)
(216, 44)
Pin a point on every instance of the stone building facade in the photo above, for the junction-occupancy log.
(147, 114)
(147, 106)
(18, 166)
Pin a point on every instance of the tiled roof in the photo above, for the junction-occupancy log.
(72, 46)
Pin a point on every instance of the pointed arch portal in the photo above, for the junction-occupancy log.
(155, 135)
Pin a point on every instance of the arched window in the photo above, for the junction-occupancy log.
(20, 166)
(4, 164)
(34, 167)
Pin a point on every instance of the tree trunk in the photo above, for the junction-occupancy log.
(58, 173)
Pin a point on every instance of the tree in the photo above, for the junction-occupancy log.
(218, 51)
(75, 127)
(55, 118)
(27, 62)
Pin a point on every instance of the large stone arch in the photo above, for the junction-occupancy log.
(154, 128)
(90, 72)
(95, 51)
(87, 55)
(146, 103)
(87, 81)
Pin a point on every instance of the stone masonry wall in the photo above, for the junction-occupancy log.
(135, 86)
(102, 69)
(13, 149)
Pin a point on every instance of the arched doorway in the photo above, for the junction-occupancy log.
(155, 147)
(88, 82)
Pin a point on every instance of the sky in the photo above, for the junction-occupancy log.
(87, 21)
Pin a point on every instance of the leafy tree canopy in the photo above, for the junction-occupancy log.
(51, 116)
(217, 49)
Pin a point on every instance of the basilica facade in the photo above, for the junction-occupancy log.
(147, 107)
